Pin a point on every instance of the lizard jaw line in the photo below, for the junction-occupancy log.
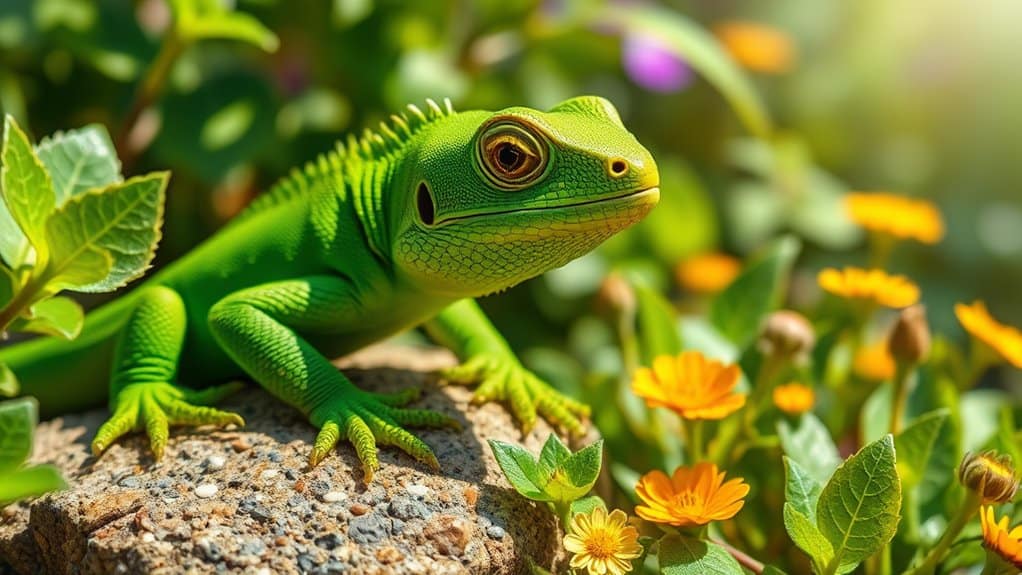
(654, 190)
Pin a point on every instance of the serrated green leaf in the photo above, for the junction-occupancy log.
(587, 504)
(17, 423)
(28, 197)
(801, 489)
(201, 19)
(858, 508)
(807, 536)
(559, 487)
(30, 482)
(583, 467)
(119, 223)
(553, 454)
(914, 444)
(79, 160)
(8, 382)
(520, 469)
(811, 446)
(57, 316)
(738, 312)
(657, 329)
(681, 555)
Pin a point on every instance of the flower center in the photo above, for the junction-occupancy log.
(687, 502)
(601, 544)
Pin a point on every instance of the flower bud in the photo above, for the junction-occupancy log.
(910, 340)
(616, 295)
(990, 475)
(787, 334)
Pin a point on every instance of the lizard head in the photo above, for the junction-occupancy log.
(489, 199)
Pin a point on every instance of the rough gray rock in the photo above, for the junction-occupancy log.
(244, 501)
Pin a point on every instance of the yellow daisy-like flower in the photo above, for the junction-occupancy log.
(692, 496)
(874, 362)
(707, 273)
(1004, 339)
(757, 47)
(870, 285)
(794, 398)
(602, 544)
(997, 537)
(691, 385)
(896, 216)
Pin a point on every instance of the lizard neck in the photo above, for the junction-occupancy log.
(367, 182)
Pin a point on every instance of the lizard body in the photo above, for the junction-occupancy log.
(401, 228)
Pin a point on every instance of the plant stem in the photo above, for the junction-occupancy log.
(695, 429)
(899, 396)
(958, 522)
(744, 559)
(21, 300)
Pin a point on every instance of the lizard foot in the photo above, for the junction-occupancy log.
(366, 419)
(156, 406)
(502, 377)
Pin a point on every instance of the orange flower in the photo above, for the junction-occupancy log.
(794, 398)
(896, 216)
(870, 285)
(1004, 339)
(707, 273)
(997, 537)
(757, 47)
(874, 362)
(692, 496)
(691, 385)
(602, 544)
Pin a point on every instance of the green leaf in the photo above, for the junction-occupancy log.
(771, 570)
(807, 537)
(7, 285)
(200, 19)
(700, 50)
(17, 423)
(118, 225)
(739, 311)
(587, 504)
(28, 197)
(8, 382)
(680, 555)
(79, 160)
(30, 482)
(553, 454)
(810, 446)
(519, 468)
(657, 331)
(914, 444)
(57, 316)
(801, 490)
(858, 508)
(583, 467)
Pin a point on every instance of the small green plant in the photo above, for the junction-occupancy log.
(17, 424)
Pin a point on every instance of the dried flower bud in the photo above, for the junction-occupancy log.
(910, 340)
(787, 333)
(616, 295)
(990, 475)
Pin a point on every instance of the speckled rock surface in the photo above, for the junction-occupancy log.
(244, 501)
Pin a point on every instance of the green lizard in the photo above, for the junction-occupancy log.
(400, 228)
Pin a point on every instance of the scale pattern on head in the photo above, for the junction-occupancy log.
(483, 201)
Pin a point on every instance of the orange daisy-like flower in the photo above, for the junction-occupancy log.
(692, 496)
(757, 47)
(896, 216)
(997, 537)
(691, 385)
(870, 285)
(1004, 339)
(602, 544)
(707, 273)
(794, 398)
(874, 362)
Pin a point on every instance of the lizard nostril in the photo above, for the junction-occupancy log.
(618, 167)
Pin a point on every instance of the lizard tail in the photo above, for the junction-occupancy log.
(67, 376)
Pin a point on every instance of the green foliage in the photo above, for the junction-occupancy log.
(680, 555)
(915, 443)
(810, 446)
(559, 476)
(17, 422)
(203, 19)
(656, 329)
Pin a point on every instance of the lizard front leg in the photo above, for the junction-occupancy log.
(256, 328)
(489, 361)
(143, 392)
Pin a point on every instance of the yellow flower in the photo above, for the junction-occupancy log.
(692, 496)
(794, 398)
(691, 385)
(1004, 339)
(997, 537)
(874, 362)
(900, 217)
(707, 273)
(602, 544)
(870, 285)
(757, 47)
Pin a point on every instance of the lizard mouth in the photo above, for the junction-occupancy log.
(646, 196)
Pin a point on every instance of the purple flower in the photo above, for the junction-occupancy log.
(650, 65)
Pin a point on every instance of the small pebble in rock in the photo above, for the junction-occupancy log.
(215, 462)
(416, 490)
(239, 445)
(495, 532)
(329, 541)
(131, 482)
(359, 509)
(148, 537)
(206, 490)
(334, 496)
(269, 474)
(276, 457)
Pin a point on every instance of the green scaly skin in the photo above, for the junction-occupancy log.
(401, 228)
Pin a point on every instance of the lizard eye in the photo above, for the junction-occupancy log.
(511, 156)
